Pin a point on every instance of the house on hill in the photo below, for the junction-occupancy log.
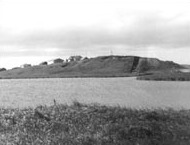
(75, 58)
(44, 63)
(16, 68)
(58, 60)
(2, 69)
(25, 65)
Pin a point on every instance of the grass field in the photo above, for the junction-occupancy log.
(92, 124)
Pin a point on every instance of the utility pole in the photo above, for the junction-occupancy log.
(111, 52)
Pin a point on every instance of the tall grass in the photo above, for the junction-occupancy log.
(82, 124)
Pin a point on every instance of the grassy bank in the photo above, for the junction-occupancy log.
(81, 124)
(166, 76)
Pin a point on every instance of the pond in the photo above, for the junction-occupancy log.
(127, 92)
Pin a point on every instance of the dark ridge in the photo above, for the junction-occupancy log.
(135, 64)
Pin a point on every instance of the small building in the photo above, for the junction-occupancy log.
(58, 60)
(16, 68)
(2, 69)
(85, 58)
(75, 58)
(25, 65)
(44, 63)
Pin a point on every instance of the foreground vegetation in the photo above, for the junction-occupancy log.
(81, 124)
(165, 76)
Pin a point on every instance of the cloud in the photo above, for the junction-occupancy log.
(147, 30)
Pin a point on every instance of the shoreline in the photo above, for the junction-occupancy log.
(85, 76)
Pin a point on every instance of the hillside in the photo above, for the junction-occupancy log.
(103, 66)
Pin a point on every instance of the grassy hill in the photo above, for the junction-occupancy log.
(103, 66)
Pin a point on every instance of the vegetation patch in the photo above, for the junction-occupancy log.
(81, 124)
(166, 76)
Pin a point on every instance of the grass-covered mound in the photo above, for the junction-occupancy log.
(81, 124)
(166, 76)
(102, 66)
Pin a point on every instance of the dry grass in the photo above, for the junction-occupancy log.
(81, 124)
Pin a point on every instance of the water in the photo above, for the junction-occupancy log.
(127, 92)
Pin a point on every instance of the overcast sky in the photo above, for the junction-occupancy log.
(32, 31)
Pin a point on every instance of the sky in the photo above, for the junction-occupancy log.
(32, 31)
